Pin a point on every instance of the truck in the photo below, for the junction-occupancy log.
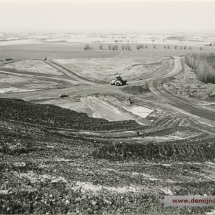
(118, 81)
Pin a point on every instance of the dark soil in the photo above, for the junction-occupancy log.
(140, 89)
(50, 115)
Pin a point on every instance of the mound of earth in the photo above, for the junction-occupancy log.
(51, 115)
(178, 150)
(140, 89)
(57, 161)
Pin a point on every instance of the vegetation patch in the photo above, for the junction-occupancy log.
(203, 65)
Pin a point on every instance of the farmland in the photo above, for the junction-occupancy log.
(103, 149)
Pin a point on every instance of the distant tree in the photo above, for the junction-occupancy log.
(87, 47)
(153, 40)
(101, 46)
(115, 41)
(164, 47)
(146, 47)
(154, 46)
(109, 46)
(168, 47)
(185, 47)
(200, 48)
(176, 47)
(138, 47)
(190, 48)
(123, 47)
(128, 47)
(114, 47)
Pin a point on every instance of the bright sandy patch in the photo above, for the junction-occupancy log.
(13, 90)
(101, 109)
(135, 110)
(88, 186)
(140, 111)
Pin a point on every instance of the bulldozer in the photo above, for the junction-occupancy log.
(118, 81)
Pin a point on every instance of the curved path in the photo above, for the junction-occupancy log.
(201, 118)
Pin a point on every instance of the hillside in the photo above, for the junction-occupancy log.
(52, 162)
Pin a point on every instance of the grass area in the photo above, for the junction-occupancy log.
(203, 65)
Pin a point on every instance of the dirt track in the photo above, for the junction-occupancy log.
(200, 118)
(69, 73)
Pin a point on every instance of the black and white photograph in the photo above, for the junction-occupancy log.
(107, 107)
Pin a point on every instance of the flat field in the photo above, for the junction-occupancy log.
(76, 50)
(107, 68)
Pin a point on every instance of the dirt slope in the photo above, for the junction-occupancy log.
(53, 160)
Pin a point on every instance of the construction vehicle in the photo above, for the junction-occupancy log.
(63, 95)
(119, 81)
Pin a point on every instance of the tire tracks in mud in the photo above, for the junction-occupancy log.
(38, 76)
(72, 74)
(202, 119)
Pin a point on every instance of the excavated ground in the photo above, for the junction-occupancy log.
(187, 86)
(56, 160)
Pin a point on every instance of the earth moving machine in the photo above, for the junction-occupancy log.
(119, 81)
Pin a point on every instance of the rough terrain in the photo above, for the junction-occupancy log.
(56, 158)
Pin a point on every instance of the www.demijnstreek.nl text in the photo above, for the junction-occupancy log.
(197, 201)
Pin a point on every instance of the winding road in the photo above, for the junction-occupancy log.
(199, 117)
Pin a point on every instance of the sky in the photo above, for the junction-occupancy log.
(106, 16)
